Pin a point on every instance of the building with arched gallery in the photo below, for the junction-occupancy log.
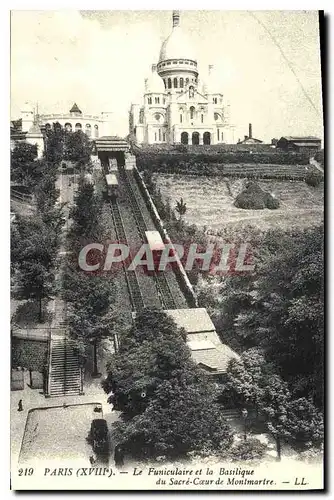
(94, 126)
(178, 107)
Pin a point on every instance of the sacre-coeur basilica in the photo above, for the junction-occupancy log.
(177, 106)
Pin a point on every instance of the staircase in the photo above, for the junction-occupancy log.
(231, 414)
(65, 373)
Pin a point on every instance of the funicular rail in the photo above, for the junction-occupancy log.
(165, 294)
(136, 297)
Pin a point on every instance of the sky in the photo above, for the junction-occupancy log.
(99, 59)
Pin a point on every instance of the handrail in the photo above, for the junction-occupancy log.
(48, 387)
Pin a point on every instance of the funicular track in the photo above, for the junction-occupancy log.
(136, 297)
(165, 294)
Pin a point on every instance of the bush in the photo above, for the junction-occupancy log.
(249, 450)
(313, 179)
(272, 203)
(188, 159)
(253, 197)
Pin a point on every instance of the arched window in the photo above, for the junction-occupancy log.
(192, 112)
(88, 130)
(207, 138)
(184, 138)
(215, 100)
(187, 81)
(216, 116)
(96, 131)
(175, 83)
(78, 126)
(169, 83)
(181, 83)
(68, 127)
(195, 138)
(157, 100)
(149, 100)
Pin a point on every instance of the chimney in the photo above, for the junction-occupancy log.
(176, 18)
(250, 131)
(154, 68)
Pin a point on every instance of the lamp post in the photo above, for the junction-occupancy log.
(244, 414)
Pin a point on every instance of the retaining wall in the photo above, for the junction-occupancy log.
(179, 271)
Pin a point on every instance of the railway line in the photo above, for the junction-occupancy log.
(164, 292)
(131, 277)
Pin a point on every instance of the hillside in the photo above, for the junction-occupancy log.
(210, 202)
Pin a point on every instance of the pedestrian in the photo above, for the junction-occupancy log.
(20, 406)
(119, 456)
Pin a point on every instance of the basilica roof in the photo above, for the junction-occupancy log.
(177, 45)
(155, 84)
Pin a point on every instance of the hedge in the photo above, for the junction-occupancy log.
(160, 160)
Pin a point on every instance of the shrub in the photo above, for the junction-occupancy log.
(253, 197)
(313, 179)
(272, 203)
(249, 450)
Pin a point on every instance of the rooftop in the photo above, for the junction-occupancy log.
(202, 339)
(75, 109)
(192, 320)
(298, 139)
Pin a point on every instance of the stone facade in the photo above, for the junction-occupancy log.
(94, 126)
(177, 107)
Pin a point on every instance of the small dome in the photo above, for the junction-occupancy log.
(155, 84)
(177, 45)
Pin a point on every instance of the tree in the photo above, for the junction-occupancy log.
(181, 208)
(35, 282)
(46, 193)
(77, 147)
(22, 161)
(305, 424)
(86, 213)
(33, 252)
(90, 298)
(280, 308)
(252, 382)
(168, 404)
(180, 419)
(54, 144)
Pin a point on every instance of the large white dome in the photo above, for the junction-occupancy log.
(177, 45)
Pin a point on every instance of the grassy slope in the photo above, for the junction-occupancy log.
(210, 202)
